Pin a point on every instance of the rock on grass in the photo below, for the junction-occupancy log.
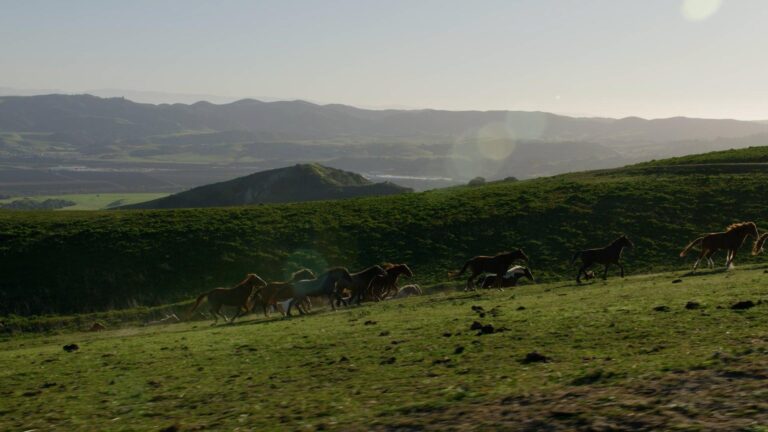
(535, 357)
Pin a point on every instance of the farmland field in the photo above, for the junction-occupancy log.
(650, 352)
(96, 201)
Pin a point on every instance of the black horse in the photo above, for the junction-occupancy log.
(606, 256)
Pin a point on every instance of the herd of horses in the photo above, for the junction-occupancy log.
(380, 282)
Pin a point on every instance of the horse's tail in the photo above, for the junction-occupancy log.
(690, 246)
(197, 303)
(575, 257)
(759, 244)
(454, 275)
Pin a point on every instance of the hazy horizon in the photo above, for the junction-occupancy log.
(614, 59)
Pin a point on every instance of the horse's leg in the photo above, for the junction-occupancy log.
(731, 258)
(605, 272)
(701, 255)
(582, 269)
(621, 266)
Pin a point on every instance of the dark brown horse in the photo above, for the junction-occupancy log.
(276, 292)
(606, 256)
(730, 240)
(361, 282)
(497, 265)
(327, 284)
(240, 295)
(386, 286)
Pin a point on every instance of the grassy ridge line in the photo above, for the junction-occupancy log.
(398, 364)
(757, 154)
(86, 261)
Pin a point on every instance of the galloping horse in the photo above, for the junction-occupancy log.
(276, 292)
(759, 244)
(325, 285)
(385, 286)
(497, 265)
(240, 296)
(606, 256)
(509, 279)
(730, 240)
(361, 281)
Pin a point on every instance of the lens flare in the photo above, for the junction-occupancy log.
(699, 10)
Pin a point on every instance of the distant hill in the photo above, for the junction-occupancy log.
(303, 182)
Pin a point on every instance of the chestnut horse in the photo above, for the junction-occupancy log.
(497, 265)
(606, 256)
(730, 240)
(759, 244)
(276, 292)
(385, 286)
(240, 296)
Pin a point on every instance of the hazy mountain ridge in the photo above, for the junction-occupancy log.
(304, 182)
(41, 132)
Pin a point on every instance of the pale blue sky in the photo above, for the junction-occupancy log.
(652, 58)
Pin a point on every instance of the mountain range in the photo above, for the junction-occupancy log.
(418, 148)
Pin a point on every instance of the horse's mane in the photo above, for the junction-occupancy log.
(248, 278)
(388, 265)
(735, 226)
(306, 271)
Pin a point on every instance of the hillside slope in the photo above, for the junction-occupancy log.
(82, 261)
(306, 182)
(622, 355)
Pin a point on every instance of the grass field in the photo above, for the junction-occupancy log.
(622, 354)
(100, 201)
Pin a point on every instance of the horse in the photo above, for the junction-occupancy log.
(385, 286)
(606, 256)
(327, 284)
(497, 265)
(280, 292)
(361, 282)
(730, 240)
(759, 244)
(240, 295)
(509, 279)
(408, 290)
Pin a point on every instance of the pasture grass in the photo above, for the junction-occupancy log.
(414, 364)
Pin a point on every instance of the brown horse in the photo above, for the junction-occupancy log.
(240, 296)
(730, 240)
(276, 292)
(759, 244)
(327, 284)
(497, 265)
(385, 286)
(361, 282)
(606, 256)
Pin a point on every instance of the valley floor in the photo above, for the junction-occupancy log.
(663, 351)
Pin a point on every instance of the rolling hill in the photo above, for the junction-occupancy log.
(306, 182)
(85, 261)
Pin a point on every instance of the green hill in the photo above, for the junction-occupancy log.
(304, 182)
(83, 261)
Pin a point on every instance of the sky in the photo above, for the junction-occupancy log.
(612, 58)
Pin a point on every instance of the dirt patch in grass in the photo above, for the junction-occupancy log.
(732, 398)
